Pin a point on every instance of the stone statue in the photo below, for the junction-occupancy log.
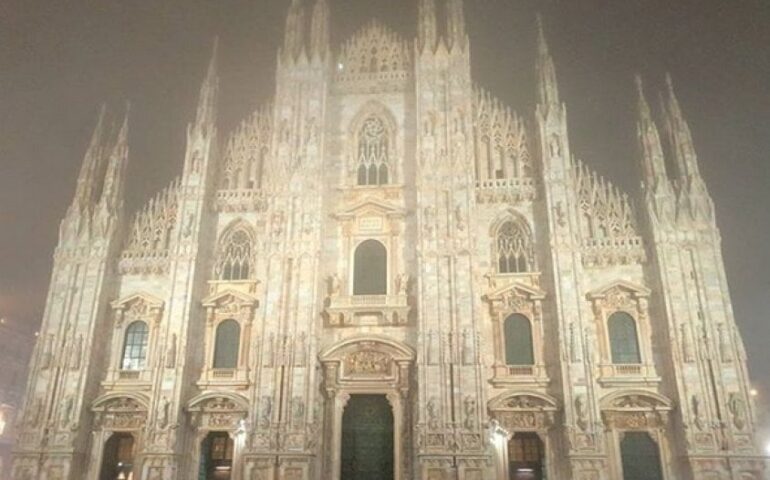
(402, 284)
(432, 414)
(335, 285)
(171, 353)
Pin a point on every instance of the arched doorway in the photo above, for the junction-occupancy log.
(216, 457)
(526, 456)
(640, 457)
(367, 439)
(118, 457)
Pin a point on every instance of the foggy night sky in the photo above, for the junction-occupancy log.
(60, 59)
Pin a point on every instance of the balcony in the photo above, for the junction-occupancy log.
(628, 374)
(507, 375)
(224, 377)
(134, 379)
(361, 310)
(505, 190)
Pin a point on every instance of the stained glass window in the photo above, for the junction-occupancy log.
(514, 248)
(373, 153)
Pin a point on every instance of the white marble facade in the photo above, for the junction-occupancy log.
(476, 214)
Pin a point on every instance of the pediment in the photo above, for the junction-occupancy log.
(229, 297)
(370, 207)
(515, 289)
(150, 301)
(222, 402)
(635, 400)
(624, 286)
(523, 400)
(121, 401)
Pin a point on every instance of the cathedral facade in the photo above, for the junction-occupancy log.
(386, 273)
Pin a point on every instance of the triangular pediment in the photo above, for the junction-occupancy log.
(371, 206)
(229, 297)
(621, 285)
(151, 301)
(518, 289)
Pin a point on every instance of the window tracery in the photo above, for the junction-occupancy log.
(373, 152)
(236, 255)
(514, 249)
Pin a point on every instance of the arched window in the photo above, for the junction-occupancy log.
(135, 346)
(373, 152)
(640, 457)
(226, 345)
(518, 340)
(370, 274)
(624, 341)
(235, 256)
(514, 248)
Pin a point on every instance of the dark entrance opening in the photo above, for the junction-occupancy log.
(118, 458)
(367, 439)
(526, 457)
(216, 462)
(640, 457)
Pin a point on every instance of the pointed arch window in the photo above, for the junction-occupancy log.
(135, 346)
(373, 152)
(518, 340)
(226, 344)
(515, 252)
(370, 275)
(624, 340)
(236, 256)
(640, 457)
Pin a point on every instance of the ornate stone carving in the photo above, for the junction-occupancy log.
(368, 362)
(147, 246)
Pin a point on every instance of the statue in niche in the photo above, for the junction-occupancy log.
(171, 353)
(47, 352)
(470, 413)
(165, 412)
(738, 410)
(460, 217)
(402, 284)
(467, 346)
(581, 416)
(298, 406)
(696, 413)
(724, 344)
(66, 412)
(687, 346)
(299, 350)
(432, 414)
(335, 285)
(195, 161)
(76, 353)
(574, 353)
(432, 360)
(267, 411)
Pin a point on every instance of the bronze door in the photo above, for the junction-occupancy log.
(367, 439)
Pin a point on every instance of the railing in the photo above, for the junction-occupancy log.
(368, 300)
(519, 374)
(628, 369)
(352, 310)
(223, 373)
(505, 189)
(241, 200)
(129, 374)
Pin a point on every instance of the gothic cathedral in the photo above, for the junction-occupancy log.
(387, 274)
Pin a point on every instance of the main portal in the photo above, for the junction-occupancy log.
(367, 439)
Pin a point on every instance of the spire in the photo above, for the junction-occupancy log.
(455, 23)
(293, 36)
(426, 36)
(319, 29)
(112, 192)
(93, 160)
(653, 163)
(679, 136)
(548, 88)
(209, 93)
